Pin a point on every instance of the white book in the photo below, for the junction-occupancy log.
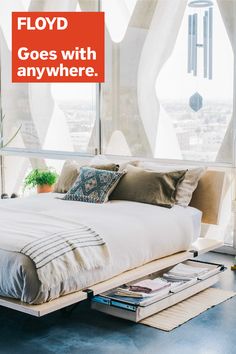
(183, 286)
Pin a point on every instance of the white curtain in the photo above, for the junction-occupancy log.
(228, 12)
(117, 25)
(30, 104)
(223, 231)
(53, 5)
(130, 105)
(15, 100)
(157, 49)
(121, 121)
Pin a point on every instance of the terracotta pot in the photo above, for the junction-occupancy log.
(45, 188)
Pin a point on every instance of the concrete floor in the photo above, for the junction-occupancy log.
(85, 331)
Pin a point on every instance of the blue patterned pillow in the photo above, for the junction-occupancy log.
(93, 185)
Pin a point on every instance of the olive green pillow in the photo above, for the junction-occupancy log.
(149, 187)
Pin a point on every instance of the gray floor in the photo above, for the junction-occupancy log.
(85, 331)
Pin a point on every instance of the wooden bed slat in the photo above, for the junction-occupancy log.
(47, 307)
(203, 245)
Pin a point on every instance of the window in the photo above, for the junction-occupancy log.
(199, 133)
(57, 117)
(17, 167)
(146, 99)
(124, 129)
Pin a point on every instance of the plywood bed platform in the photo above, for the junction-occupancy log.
(199, 247)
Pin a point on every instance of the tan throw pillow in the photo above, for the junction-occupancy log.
(70, 173)
(187, 186)
(68, 176)
(149, 187)
(108, 167)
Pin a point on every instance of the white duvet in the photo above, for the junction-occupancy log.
(135, 233)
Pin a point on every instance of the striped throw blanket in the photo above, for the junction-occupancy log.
(58, 248)
(79, 248)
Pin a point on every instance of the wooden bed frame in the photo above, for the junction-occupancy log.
(204, 193)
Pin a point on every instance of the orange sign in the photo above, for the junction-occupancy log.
(57, 47)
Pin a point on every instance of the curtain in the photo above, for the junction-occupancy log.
(130, 108)
(157, 49)
(228, 12)
(32, 105)
(122, 127)
(14, 98)
(224, 229)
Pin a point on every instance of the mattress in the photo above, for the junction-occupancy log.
(196, 216)
(136, 234)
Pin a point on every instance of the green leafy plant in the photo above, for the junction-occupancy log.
(39, 178)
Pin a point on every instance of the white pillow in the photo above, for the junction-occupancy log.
(124, 164)
(186, 188)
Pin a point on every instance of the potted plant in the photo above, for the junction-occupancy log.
(42, 179)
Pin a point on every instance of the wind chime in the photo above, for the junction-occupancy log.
(200, 38)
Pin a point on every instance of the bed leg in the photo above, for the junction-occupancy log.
(67, 311)
(89, 292)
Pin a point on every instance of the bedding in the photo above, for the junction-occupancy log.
(135, 233)
(56, 245)
(196, 217)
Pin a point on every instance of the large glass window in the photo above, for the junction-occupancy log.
(195, 85)
(52, 116)
(153, 104)
(17, 168)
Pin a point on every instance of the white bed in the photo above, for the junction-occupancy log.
(135, 233)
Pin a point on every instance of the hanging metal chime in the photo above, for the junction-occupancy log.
(195, 34)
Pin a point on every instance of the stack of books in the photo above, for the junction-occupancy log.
(182, 276)
(184, 272)
(148, 291)
(142, 293)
